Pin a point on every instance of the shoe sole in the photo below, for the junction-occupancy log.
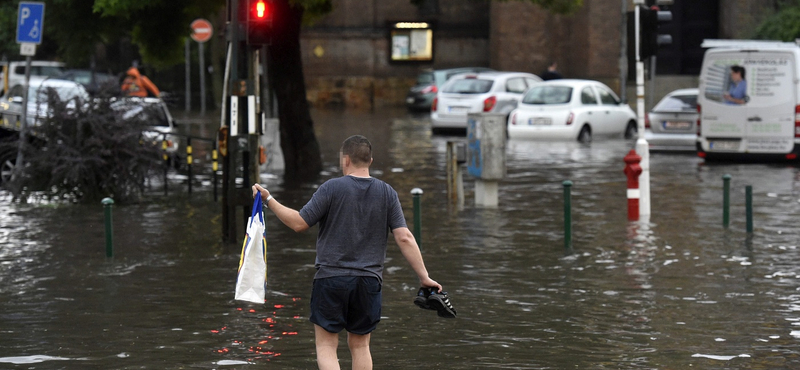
(441, 308)
(422, 302)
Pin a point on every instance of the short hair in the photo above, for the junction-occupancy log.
(359, 149)
(738, 69)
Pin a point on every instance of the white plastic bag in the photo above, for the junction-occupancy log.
(251, 283)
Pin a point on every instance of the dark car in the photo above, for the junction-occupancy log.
(94, 82)
(421, 95)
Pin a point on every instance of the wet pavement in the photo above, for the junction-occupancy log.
(679, 291)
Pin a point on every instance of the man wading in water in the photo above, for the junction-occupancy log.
(354, 213)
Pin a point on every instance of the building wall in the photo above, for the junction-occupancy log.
(346, 54)
(585, 44)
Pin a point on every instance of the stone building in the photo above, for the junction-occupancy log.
(353, 57)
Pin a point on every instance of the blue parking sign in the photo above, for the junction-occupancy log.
(30, 20)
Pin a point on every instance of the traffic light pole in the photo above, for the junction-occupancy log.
(642, 148)
(242, 124)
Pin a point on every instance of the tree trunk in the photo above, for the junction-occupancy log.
(299, 144)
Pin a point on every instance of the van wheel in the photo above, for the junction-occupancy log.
(6, 169)
(585, 136)
(631, 130)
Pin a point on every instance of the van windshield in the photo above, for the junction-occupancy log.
(749, 79)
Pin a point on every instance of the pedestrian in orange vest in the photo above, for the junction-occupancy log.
(137, 84)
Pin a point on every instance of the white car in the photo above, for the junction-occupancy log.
(37, 108)
(496, 92)
(572, 110)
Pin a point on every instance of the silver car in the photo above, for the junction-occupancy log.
(672, 124)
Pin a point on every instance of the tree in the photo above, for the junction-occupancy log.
(783, 25)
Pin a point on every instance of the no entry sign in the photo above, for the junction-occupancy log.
(201, 30)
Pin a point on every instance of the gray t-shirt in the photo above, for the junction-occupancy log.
(355, 215)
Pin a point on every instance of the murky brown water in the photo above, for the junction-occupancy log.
(678, 292)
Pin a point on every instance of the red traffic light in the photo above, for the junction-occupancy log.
(259, 10)
(259, 21)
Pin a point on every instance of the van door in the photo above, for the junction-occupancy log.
(760, 121)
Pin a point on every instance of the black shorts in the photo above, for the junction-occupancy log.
(352, 303)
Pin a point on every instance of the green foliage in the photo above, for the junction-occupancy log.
(783, 25)
(84, 151)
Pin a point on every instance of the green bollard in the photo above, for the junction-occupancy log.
(567, 214)
(726, 200)
(417, 192)
(107, 204)
(748, 191)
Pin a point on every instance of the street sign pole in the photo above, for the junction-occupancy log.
(30, 22)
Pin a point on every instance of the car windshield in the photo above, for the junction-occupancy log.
(425, 78)
(548, 95)
(468, 86)
(679, 103)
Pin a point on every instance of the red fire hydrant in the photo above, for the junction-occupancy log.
(633, 170)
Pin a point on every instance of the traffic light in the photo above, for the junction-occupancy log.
(259, 21)
(650, 38)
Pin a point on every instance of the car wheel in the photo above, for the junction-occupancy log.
(631, 130)
(6, 169)
(585, 136)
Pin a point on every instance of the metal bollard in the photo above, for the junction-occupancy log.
(417, 192)
(189, 161)
(107, 204)
(214, 167)
(748, 191)
(567, 214)
(726, 200)
(166, 163)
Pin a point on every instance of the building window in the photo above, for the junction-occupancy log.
(411, 42)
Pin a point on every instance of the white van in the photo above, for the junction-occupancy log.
(16, 72)
(748, 101)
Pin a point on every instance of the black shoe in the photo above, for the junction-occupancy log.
(421, 299)
(441, 303)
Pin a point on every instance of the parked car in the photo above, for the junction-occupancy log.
(154, 114)
(39, 68)
(496, 92)
(421, 95)
(92, 81)
(672, 124)
(11, 106)
(571, 109)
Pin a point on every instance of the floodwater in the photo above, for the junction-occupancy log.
(676, 292)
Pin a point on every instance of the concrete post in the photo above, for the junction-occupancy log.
(486, 155)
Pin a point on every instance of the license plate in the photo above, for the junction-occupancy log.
(458, 109)
(677, 125)
(724, 145)
(540, 121)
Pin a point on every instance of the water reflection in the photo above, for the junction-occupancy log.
(675, 291)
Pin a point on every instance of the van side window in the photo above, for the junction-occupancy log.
(587, 96)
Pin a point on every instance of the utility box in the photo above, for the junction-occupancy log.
(486, 145)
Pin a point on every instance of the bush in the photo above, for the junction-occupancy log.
(86, 150)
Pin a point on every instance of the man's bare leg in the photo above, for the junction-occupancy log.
(327, 343)
(359, 350)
